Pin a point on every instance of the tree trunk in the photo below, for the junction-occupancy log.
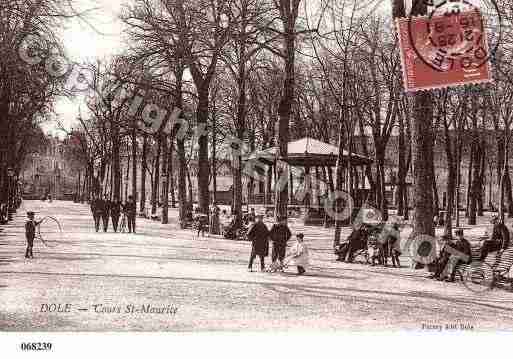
(165, 183)
(507, 191)
(203, 162)
(268, 185)
(171, 172)
(402, 170)
(475, 183)
(422, 150)
(134, 164)
(142, 206)
(189, 182)
(451, 179)
(285, 111)
(116, 169)
(482, 181)
(469, 182)
(339, 186)
(156, 180)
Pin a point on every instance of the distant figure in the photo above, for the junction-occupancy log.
(215, 227)
(280, 234)
(105, 213)
(258, 234)
(356, 241)
(298, 255)
(235, 224)
(499, 240)
(201, 223)
(30, 234)
(252, 215)
(115, 213)
(130, 210)
(96, 210)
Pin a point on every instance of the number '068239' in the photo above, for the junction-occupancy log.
(36, 346)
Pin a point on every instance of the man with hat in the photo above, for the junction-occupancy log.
(97, 207)
(30, 234)
(453, 253)
(280, 234)
(258, 234)
(130, 210)
(105, 213)
(499, 240)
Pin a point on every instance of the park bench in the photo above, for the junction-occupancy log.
(496, 266)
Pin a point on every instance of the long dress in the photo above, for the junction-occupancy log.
(298, 256)
(215, 227)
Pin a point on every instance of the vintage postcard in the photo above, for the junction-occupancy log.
(213, 167)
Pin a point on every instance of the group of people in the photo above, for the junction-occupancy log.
(446, 263)
(279, 235)
(376, 241)
(103, 209)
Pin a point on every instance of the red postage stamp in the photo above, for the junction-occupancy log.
(446, 48)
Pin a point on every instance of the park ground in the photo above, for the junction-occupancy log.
(203, 284)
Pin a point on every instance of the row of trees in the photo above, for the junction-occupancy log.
(268, 71)
(28, 88)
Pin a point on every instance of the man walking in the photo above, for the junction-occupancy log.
(130, 210)
(115, 213)
(105, 213)
(96, 210)
(280, 234)
(258, 234)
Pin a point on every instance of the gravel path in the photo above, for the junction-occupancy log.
(165, 279)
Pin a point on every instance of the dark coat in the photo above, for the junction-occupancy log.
(258, 234)
(115, 209)
(280, 234)
(98, 207)
(357, 239)
(500, 235)
(106, 208)
(463, 246)
(30, 230)
(130, 209)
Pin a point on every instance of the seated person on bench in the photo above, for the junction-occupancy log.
(235, 224)
(499, 240)
(357, 240)
(446, 266)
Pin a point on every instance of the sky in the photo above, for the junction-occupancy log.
(83, 43)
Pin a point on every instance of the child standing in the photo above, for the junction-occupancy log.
(298, 255)
(30, 234)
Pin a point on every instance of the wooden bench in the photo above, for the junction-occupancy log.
(497, 266)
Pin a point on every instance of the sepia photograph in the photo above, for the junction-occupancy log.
(255, 167)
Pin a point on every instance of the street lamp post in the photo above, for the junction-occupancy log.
(10, 175)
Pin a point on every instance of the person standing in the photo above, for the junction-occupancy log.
(280, 234)
(96, 210)
(252, 215)
(115, 213)
(258, 234)
(130, 210)
(299, 255)
(499, 240)
(106, 213)
(30, 234)
(214, 220)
